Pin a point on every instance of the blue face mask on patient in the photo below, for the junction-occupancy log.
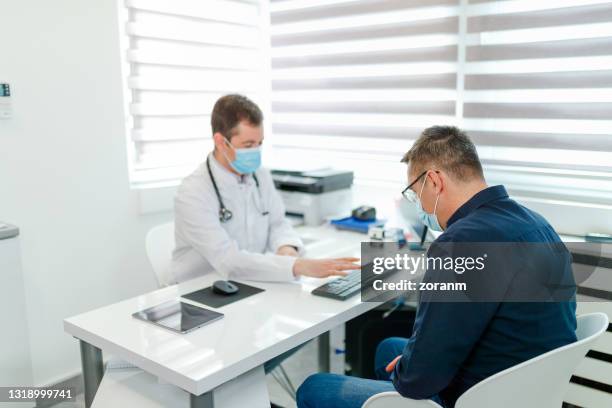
(247, 160)
(430, 220)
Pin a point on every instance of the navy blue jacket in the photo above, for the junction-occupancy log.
(456, 345)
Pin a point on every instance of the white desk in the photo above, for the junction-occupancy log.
(216, 360)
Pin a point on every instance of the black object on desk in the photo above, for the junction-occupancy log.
(178, 316)
(222, 287)
(347, 286)
(207, 297)
(364, 213)
(341, 288)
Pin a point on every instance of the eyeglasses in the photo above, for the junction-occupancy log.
(410, 194)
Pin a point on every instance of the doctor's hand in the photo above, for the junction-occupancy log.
(287, 250)
(322, 268)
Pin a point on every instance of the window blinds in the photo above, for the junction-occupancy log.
(354, 82)
(182, 56)
(538, 91)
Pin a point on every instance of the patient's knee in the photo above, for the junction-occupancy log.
(307, 392)
(389, 348)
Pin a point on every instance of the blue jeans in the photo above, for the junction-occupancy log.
(326, 390)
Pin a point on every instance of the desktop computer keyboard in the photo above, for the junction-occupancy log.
(341, 288)
(346, 286)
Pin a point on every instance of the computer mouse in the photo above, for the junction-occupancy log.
(222, 287)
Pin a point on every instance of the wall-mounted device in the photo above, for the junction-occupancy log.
(5, 101)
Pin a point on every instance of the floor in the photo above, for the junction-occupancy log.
(299, 366)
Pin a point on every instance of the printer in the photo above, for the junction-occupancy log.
(314, 195)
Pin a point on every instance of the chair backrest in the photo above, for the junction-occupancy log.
(159, 244)
(540, 382)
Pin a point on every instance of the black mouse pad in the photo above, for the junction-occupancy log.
(207, 297)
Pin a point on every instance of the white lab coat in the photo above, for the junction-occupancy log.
(241, 248)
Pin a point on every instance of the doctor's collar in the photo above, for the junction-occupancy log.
(222, 172)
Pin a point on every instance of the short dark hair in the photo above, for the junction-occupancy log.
(230, 110)
(447, 148)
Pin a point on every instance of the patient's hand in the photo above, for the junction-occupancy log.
(287, 250)
(391, 366)
(322, 268)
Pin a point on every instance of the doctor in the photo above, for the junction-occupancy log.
(230, 219)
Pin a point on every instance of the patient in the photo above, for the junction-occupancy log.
(456, 345)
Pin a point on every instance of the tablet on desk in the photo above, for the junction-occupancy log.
(178, 316)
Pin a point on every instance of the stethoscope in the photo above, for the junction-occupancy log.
(224, 214)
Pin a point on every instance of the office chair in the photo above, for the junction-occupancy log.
(159, 244)
(540, 382)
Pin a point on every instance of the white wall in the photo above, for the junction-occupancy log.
(63, 169)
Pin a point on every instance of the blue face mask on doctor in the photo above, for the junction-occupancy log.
(246, 161)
